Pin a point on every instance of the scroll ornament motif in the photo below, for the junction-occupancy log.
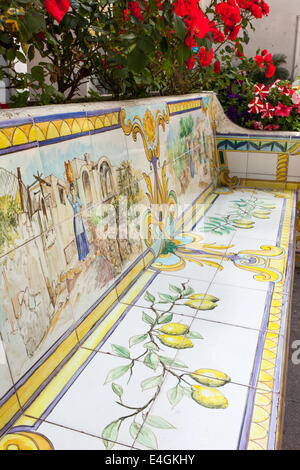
(148, 128)
(25, 441)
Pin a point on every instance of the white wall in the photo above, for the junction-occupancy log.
(277, 31)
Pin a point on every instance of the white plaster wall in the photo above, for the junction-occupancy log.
(277, 32)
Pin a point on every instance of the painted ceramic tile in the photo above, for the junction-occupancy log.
(294, 166)
(62, 438)
(70, 179)
(168, 292)
(243, 307)
(35, 311)
(135, 333)
(237, 162)
(190, 153)
(262, 164)
(193, 421)
(6, 379)
(222, 349)
(256, 274)
(20, 217)
(145, 127)
(248, 213)
(101, 395)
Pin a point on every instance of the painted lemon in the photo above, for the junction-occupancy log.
(209, 397)
(209, 297)
(241, 223)
(177, 342)
(174, 329)
(201, 304)
(210, 377)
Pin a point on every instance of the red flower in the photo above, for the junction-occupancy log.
(197, 23)
(259, 60)
(190, 41)
(267, 111)
(230, 13)
(261, 90)
(282, 110)
(255, 106)
(135, 10)
(265, 7)
(270, 70)
(217, 67)
(217, 34)
(256, 10)
(265, 60)
(126, 14)
(57, 8)
(191, 62)
(205, 57)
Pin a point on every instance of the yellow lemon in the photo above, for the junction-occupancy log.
(209, 297)
(177, 342)
(209, 397)
(174, 329)
(210, 377)
(201, 304)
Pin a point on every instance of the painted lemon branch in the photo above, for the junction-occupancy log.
(162, 330)
(240, 216)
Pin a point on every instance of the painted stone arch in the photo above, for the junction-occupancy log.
(106, 180)
(86, 185)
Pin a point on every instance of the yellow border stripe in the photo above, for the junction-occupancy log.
(261, 416)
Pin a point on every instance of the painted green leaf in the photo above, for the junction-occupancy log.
(175, 288)
(151, 346)
(120, 350)
(151, 382)
(117, 389)
(111, 432)
(168, 361)
(151, 360)
(136, 339)
(175, 395)
(143, 435)
(148, 319)
(149, 297)
(165, 318)
(116, 373)
(187, 392)
(165, 298)
(158, 422)
(194, 335)
(188, 291)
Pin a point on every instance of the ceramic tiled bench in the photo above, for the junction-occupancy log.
(147, 251)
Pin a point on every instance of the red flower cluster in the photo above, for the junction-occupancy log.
(258, 8)
(135, 10)
(196, 22)
(57, 8)
(205, 57)
(277, 101)
(231, 16)
(265, 61)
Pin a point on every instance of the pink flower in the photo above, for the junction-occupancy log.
(256, 106)
(258, 125)
(267, 111)
(261, 90)
(282, 110)
(296, 98)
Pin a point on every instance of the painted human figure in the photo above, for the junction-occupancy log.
(82, 243)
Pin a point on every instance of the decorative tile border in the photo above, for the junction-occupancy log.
(261, 430)
(23, 134)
